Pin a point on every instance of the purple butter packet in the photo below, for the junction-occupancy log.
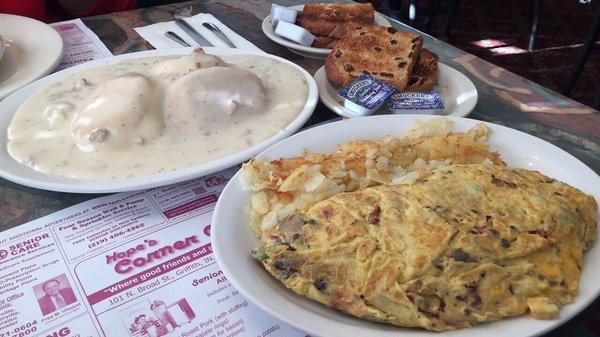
(423, 102)
(366, 94)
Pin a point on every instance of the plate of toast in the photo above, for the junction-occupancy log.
(328, 22)
(400, 59)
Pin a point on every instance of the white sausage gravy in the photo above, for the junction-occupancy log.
(152, 115)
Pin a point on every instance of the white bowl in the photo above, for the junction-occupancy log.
(12, 170)
(233, 240)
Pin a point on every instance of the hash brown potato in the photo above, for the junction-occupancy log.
(290, 185)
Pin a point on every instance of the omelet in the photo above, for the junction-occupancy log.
(463, 245)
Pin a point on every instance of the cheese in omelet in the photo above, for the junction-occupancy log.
(463, 245)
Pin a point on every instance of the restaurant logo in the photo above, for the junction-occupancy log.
(125, 262)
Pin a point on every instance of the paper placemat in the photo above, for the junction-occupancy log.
(80, 44)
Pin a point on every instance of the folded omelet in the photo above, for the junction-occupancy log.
(464, 244)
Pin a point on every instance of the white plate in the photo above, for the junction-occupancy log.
(458, 93)
(233, 240)
(12, 170)
(32, 50)
(268, 27)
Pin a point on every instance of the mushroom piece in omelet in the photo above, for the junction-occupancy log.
(463, 245)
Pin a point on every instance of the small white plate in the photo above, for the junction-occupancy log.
(233, 240)
(12, 170)
(458, 93)
(268, 28)
(32, 50)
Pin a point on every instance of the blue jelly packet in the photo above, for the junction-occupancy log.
(366, 94)
(423, 102)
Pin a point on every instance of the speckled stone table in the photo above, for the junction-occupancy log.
(504, 98)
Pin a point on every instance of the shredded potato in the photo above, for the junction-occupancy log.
(289, 185)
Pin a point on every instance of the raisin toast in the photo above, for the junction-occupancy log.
(383, 52)
(329, 22)
(325, 42)
(424, 74)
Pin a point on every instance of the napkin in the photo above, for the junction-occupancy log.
(155, 33)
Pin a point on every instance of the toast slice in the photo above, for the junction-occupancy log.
(325, 42)
(335, 30)
(384, 52)
(425, 72)
(329, 22)
(335, 20)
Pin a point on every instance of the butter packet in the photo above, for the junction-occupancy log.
(423, 102)
(283, 14)
(366, 94)
(294, 33)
